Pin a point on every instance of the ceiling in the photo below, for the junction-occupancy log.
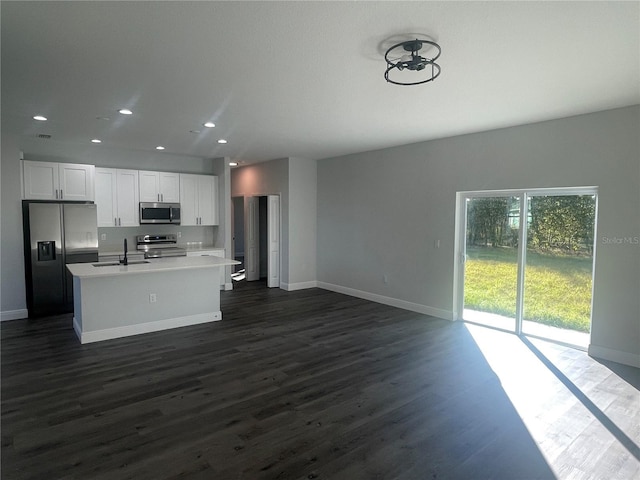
(304, 79)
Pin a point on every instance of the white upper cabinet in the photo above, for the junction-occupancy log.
(189, 199)
(159, 186)
(58, 181)
(77, 182)
(207, 199)
(170, 187)
(117, 197)
(198, 199)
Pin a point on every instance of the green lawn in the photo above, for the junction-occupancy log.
(557, 287)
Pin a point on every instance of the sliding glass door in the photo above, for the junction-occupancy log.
(559, 268)
(491, 263)
(525, 261)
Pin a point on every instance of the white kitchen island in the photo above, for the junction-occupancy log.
(112, 301)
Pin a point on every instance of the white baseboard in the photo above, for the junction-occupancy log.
(617, 356)
(394, 302)
(129, 330)
(13, 314)
(290, 287)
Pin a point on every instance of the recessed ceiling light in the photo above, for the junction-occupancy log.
(95, 140)
(125, 111)
(159, 147)
(222, 140)
(233, 164)
(209, 124)
(40, 118)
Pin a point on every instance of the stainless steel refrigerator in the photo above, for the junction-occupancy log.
(56, 234)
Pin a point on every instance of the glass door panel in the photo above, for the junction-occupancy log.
(491, 260)
(559, 268)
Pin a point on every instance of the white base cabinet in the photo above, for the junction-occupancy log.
(212, 253)
(58, 181)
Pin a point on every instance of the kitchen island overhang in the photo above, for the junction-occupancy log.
(113, 301)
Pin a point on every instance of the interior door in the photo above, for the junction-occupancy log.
(273, 242)
(252, 246)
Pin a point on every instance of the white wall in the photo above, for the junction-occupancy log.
(303, 180)
(295, 180)
(220, 167)
(268, 178)
(13, 303)
(12, 291)
(380, 212)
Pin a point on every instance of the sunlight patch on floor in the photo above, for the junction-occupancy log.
(239, 275)
(563, 335)
(543, 393)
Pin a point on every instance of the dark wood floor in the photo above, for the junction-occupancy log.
(311, 385)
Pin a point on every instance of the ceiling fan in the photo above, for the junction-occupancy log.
(406, 56)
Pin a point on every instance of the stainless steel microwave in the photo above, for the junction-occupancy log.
(160, 213)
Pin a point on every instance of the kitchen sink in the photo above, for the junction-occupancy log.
(115, 264)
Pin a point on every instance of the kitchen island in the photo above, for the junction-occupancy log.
(112, 300)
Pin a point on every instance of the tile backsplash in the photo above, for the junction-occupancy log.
(111, 238)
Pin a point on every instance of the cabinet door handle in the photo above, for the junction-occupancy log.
(119, 221)
(61, 196)
(115, 222)
(56, 194)
(162, 197)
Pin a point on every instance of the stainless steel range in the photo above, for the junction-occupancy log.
(158, 246)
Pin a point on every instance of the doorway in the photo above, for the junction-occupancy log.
(256, 238)
(525, 261)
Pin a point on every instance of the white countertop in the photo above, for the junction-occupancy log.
(85, 270)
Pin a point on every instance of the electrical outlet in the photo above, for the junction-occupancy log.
(153, 298)
(179, 234)
(385, 279)
(436, 244)
(103, 236)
